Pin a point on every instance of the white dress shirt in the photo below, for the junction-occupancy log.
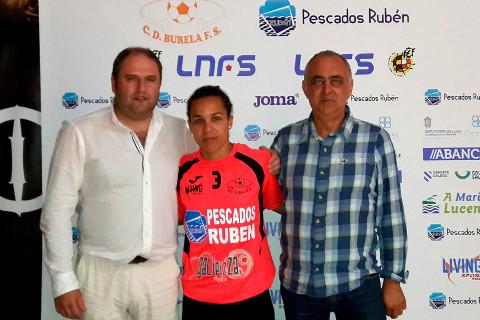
(123, 192)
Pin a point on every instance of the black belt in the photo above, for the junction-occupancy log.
(138, 259)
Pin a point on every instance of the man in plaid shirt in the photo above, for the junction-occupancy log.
(343, 202)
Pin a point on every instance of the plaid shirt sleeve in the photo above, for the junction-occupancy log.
(391, 226)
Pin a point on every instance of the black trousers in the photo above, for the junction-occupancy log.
(258, 307)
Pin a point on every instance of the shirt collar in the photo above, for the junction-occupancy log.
(157, 119)
(308, 128)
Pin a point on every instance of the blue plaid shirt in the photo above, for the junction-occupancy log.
(343, 202)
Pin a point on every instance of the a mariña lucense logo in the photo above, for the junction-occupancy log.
(455, 153)
(277, 17)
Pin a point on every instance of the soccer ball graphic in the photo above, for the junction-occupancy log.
(182, 11)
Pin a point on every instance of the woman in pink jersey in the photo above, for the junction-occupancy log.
(222, 190)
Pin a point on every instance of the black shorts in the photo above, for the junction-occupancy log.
(258, 307)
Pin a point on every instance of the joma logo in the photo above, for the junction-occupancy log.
(275, 100)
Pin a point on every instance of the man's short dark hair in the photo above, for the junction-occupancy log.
(117, 63)
(210, 91)
(329, 53)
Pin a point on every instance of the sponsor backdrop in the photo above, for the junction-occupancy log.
(415, 69)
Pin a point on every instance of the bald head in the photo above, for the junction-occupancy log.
(327, 53)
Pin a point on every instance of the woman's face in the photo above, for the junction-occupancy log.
(210, 125)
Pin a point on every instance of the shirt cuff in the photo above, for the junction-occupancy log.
(397, 277)
(63, 283)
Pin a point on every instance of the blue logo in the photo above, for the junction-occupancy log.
(476, 121)
(70, 100)
(273, 228)
(436, 232)
(75, 234)
(427, 176)
(241, 66)
(459, 153)
(363, 63)
(195, 226)
(438, 300)
(252, 132)
(385, 121)
(277, 17)
(400, 176)
(433, 97)
(429, 205)
(164, 100)
(276, 296)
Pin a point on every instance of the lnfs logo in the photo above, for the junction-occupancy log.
(277, 17)
(164, 100)
(181, 21)
(429, 205)
(70, 100)
(433, 97)
(438, 300)
(241, 66)
(458, 153)
(363, 63)
(436, 232)
(401, 63)
(252, 132)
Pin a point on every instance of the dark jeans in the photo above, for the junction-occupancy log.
(363, 303)
(258, 307)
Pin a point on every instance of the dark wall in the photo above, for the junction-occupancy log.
(20, 166)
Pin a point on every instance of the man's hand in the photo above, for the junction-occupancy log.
(70, 304)
(393, 298)
(274, 162)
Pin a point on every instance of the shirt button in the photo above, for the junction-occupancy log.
(320, 197)
(317, 221)
(317, 269)
(322, 172)
(325, 149)
(317, 246)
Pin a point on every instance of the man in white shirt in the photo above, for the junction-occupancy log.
(117, 167)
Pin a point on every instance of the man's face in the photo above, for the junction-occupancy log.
(136, 88)
(327, 86)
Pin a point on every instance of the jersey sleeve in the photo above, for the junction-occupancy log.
(180, 205)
